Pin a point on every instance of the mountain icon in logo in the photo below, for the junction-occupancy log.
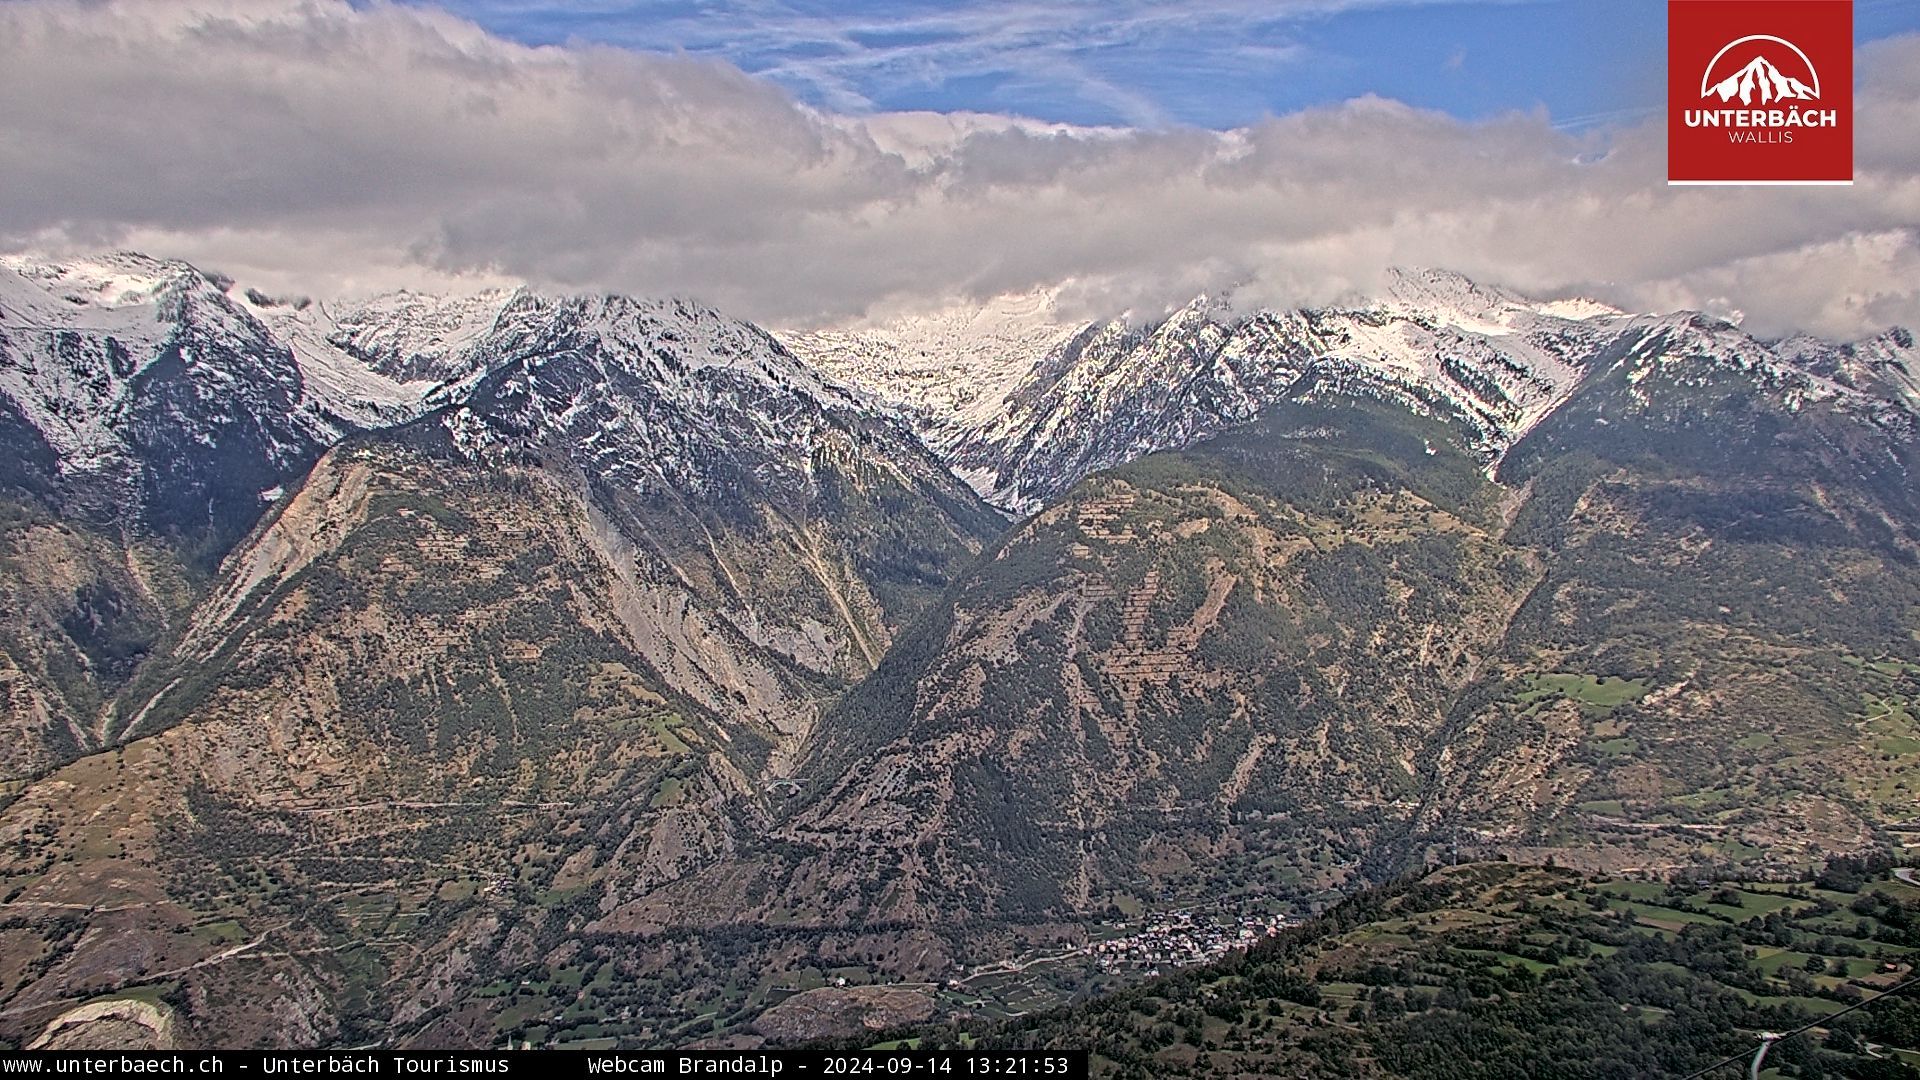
(1760, 81)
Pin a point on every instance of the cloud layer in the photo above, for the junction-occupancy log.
(315, 147)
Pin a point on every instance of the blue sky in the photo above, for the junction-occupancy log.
(1212, 63)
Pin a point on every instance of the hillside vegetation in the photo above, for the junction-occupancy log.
(1501, 971)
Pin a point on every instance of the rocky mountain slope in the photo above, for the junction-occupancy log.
(1327, 643)
(380, 763)
(781, 528)
(1239, 648)
(812, 528)
(570, 608)
(149, 419)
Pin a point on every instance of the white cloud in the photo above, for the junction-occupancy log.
(316, 148)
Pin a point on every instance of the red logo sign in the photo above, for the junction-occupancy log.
(1760, 91)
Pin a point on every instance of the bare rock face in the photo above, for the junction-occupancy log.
(851, 1010)
(119, 1024)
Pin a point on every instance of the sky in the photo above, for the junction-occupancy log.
(1212, 63)
(809, 164)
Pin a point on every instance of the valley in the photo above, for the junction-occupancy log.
(589, 671)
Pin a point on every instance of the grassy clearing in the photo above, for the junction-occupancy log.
(1600, 692)
(1666, 917)
(154, 994)
(668, 728)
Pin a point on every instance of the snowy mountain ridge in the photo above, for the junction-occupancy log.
(662, 395)
(1079, 397)
(80, 340)
(1011, 395)
(150, 383)
(1082, 397)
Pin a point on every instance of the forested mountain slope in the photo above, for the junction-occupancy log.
(1496, 970)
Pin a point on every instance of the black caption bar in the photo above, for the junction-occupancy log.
(545, 1063)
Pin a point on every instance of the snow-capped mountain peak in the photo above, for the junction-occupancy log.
(1070, 397)
(115, 279)
(1452, 299)
(411, 337)
(157, 392)
(651, 394)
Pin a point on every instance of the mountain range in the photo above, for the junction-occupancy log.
(457, 669)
